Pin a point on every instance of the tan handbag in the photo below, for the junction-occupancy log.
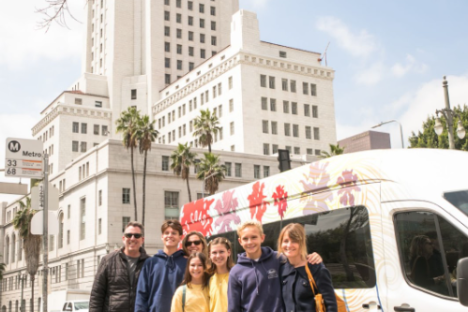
(319, 303)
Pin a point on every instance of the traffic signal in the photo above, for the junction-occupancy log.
(284, 161)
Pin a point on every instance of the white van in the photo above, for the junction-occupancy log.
(390, 225)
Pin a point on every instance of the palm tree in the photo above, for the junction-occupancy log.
(31, 243)
(211, 172)
(334, 151)
(182, 160)
(127, 124)
(206, 126)
(145, 134)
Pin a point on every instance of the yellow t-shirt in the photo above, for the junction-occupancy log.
(196, 299)
(218, 292)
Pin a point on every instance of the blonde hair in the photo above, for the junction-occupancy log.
(227, 244)
(296, 233)
(248, 223)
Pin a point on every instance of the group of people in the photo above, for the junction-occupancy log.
(202, 277)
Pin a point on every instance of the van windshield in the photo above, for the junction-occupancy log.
(459, 199)
(81, 305)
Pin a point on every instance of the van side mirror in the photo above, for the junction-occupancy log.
(462, 281)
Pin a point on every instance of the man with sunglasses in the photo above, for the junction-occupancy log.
(116, 280)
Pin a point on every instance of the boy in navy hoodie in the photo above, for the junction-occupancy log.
(163, 273)
(254, 282)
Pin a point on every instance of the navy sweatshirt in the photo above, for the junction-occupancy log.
(255, 285)
(158, 281)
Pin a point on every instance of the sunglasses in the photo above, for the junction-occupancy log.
(198, 242)
(136, 235)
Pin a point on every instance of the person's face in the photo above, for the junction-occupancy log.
(131, 243)
(428, 248)
(196, 269)
(194, 244)
(251, 240)
(170, 238)
(290, 247)
(219, 255)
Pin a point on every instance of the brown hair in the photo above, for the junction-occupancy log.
(227, 244)
(188, 278)
(174, 224)
(136, 224)
(247, 223)
(417, 246)
(296, 233)
(202, 238)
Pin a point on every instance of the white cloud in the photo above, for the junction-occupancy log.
(371, 75)
(21, 43)
(400, 70)
(360, 43)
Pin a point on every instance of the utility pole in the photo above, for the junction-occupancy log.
(448, 115)
(45, 239)
(21, 278)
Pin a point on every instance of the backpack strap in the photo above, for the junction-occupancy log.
(184, 291)
(311, 278)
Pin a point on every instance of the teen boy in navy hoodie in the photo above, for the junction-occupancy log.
(254, 282)
(163, 273)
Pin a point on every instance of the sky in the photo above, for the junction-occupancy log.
(389, 58)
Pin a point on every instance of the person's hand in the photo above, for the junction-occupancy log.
(439, 279)
(314, 258)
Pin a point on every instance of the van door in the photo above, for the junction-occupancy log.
(421, 264)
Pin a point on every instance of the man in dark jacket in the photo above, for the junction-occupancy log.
(114, 287)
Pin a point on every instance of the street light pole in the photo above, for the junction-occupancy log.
(401, 129)
(21, 279)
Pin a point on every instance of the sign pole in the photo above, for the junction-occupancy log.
(45, 232)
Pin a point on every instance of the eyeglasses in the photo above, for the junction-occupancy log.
(198, 242)
(136, 235)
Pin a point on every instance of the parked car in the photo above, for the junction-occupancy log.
(76, 305)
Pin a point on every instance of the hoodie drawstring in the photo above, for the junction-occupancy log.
(256, 275)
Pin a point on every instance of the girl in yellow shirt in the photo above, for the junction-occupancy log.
(219, 251)
(192, 296)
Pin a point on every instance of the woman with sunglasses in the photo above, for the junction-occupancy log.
(219, 251)
(194, 242)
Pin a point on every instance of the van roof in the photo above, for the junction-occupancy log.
(404, 173)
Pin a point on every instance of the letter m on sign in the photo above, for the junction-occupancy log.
(14, 146)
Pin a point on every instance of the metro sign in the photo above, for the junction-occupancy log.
(23, 158)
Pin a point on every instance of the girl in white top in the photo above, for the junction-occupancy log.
(219, 251)
(192, 296)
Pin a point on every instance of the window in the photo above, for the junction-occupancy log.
(75, 127)
(238, 172)
(171, 205)
(167, 78)
(231, 125)
(179, 64)
(84, 128)
(293, 86)
(286, 107)
(297, 150)
(274, 127)
(294, 108)
(201, 8)
(282, 54)
(82, 218)
(420, 232)
(51, 242)
(309, 151)
(266, 171)
(284, 84)
(274, 148)
(99, 226)
(213, 40)
(96, 129)
(165, 163)
(315, 111)
(202, 23)
(100, 198)
(263, 81)
(179, 49)
(167, 16)
(190, 20)
(264, 103)
(191, 65)
(271, 82)
(306, 110)
(202, 38)
(213, 11)
(190, 35)
(98, 103)
(178, 18)
(256, 171)
(230, 83)
(228, 166)
(202, 53)
(296, 131)
(83, 147)
(125, 221)
(313, 89)
(316, 133)
(125, 196)
(104, 130)
(78, 101)
(213, 25)
(167, 31)
(167, 62)
(305, 88)
(190, 5)
(266, 149)
(265, 126)
(231, 105)
(308, 132)
(273, 105)
(179, 3)
(287, 129)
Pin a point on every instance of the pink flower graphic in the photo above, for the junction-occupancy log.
(226, 208)
(195, 217)
(256, 200)
(317, 179)
(348, 187)
(281, 200)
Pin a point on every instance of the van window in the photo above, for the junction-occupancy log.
(341, 237)
(459, 199)
(429, 250)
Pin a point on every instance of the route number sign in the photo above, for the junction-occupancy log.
(23, 158)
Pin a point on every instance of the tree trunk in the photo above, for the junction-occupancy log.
(32, 293)
(188, 189)
(209, 148)
(134, 187)
(143, 205)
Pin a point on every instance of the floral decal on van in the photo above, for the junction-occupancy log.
(347, 182)
(256, 201)
(317, 178)
(281, 200)
(226, 208)
(195, 216)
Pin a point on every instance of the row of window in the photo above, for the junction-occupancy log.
(97, 129)
(83, 171)
(287, 85)
(47, 134)
(201, 6)
(295, 149)
(289, 107)
(190, 19)
(287, 129)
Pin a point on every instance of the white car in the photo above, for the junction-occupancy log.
(76, 305)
